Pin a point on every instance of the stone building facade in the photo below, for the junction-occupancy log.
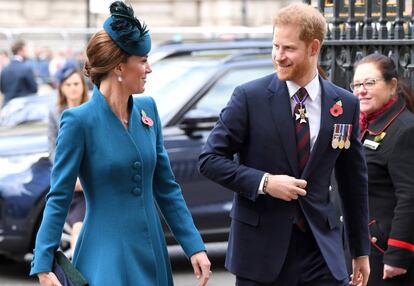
(63, 23)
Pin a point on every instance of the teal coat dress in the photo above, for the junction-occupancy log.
(125, 174)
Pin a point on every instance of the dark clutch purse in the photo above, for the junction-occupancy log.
(66, 273)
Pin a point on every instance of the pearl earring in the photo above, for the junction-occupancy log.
(120, 78)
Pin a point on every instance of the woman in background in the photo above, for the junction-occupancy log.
(387, 132)
(72, 92)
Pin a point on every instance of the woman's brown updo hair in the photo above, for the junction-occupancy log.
(103, 55)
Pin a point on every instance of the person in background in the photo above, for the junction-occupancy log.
(275, 145)
(40, 64)
(387, 133)
(72, 92)
(4, 59)
(114, 144)
(17, 79)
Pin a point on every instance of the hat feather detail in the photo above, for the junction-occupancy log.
(124, 23)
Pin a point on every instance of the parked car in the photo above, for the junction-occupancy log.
(191, 83)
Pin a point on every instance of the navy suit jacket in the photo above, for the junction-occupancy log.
(16, 80)
(255, 134)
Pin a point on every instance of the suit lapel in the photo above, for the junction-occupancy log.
(329, 98)
(279, 103)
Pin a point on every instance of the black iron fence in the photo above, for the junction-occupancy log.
(360, 27)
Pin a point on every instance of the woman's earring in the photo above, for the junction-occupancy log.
(120, 78)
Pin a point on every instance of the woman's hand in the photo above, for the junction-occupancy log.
(392, 271)
(48, 279)
(201, 266)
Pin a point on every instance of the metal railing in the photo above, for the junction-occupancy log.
(358, 28)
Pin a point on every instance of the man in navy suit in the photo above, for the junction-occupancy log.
(275, 145)
(17, 78)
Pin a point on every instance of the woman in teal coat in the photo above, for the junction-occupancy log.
(115, 145)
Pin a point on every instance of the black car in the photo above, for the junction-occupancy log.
(191, 83)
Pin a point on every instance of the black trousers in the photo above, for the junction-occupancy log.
(304, 265)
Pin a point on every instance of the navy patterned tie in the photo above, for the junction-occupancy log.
(301, 129)
(302, 146)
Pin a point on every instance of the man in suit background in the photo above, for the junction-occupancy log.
(275, 145)
(17, 78)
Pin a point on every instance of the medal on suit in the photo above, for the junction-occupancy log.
(348, 131)
(347, 143)
(335, 143)
(335, 137)
(341, 137)
(341, 143)
(302, 115)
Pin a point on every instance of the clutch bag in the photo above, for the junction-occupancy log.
(66, 273)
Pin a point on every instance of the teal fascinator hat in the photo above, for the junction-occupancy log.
(126, 30)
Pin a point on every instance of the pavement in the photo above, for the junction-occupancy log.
(14, 273)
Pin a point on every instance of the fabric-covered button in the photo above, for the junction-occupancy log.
(137, 164)
(137, 178)
(136, 191)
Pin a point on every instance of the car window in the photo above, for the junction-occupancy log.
(219, 94)
(27, 109)
(174, 81)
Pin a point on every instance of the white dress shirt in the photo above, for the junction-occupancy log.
(313, 106)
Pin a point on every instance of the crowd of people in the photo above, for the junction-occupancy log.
(25, 72)
(289, 130)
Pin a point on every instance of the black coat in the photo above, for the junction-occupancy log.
(391, 185)
(16, 80)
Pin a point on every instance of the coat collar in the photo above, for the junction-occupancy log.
(329, 98)
(279, 103)
(385, 119)
(99, 99)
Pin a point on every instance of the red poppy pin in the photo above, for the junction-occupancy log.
(337, 109)
(145, 119)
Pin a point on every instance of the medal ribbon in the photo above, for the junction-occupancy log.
(298, 101)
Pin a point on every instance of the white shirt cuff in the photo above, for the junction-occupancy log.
(260, 190)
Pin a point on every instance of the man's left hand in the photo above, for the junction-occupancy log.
(360, 271)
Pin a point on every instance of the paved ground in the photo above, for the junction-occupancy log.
(15, 274)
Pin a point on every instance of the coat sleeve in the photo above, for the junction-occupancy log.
(352, 179)
(400, 251)
(69, 153)
(217, 160)
(30, 80)
(170, 200)
(52, 132)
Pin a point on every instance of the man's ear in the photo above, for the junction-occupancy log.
(315, 46)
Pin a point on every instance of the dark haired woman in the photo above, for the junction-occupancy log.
(115, 145)
(72, 92)
(387, 132)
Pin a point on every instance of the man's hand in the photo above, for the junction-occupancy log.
(392, 271)
(360, 271)
(285, 187)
